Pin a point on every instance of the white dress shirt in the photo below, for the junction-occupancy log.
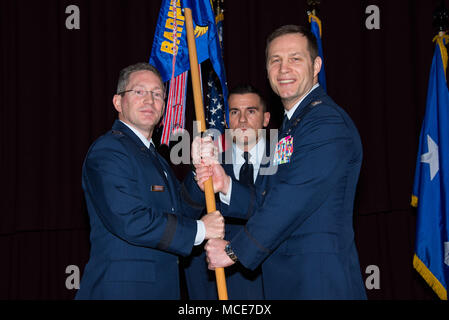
(256, 155)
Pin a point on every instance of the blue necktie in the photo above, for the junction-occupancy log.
(284, 123)
(246, 175)
(159, 165)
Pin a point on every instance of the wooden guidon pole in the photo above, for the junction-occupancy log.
(199, 112)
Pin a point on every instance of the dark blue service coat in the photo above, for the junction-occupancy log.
(301, 225)
(139, 223)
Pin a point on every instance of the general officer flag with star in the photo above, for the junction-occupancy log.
(431, 185)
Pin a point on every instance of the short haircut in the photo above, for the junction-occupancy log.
(125, 73)
(247, 88)
(312, 44)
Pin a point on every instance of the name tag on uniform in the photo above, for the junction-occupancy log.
(283, 151)
(157, 188)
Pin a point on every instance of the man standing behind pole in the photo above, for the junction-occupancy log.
(301, 231)
(139, 221)
(247, 117)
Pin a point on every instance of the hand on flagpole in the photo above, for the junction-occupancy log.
(204, 152)
(220, 179)
(215, 226)
(205, 160)
(216, 256)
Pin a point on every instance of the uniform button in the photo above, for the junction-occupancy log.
(264, 192)
(172, 209)
(177, 261)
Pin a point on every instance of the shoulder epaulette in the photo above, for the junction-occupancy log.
(304, 112)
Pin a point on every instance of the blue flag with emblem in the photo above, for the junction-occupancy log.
(315, 27)
(431, 184)
(170, 54)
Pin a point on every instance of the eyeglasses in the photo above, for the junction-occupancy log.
(157, 95)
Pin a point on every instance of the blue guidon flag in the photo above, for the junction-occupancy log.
(170, 53)
(431, 185)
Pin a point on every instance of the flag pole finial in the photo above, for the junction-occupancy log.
(312, 6)
(441, 26)
(218, 6)
(219, 9)
(441, 18)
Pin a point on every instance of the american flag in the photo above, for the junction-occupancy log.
(216, 112)
(174, 119)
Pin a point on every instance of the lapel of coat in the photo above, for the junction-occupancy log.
(266, 162)
(314, 95)
(157, 160)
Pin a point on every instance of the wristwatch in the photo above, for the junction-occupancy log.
(230, 252)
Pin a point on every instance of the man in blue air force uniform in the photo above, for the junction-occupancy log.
(139, 221)
(247, 114)
(301, 226)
